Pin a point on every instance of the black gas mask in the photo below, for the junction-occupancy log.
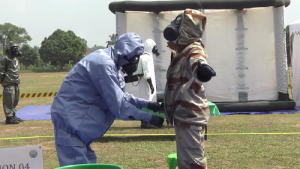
(14, 49)
(171, 32)
(130, 68)
(155, 51)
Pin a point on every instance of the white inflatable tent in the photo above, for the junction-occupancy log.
(295, 59)
(245, 41)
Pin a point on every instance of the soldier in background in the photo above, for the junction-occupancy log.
(10, 80)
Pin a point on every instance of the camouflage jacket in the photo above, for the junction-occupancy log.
(185, 98)
(9, 70)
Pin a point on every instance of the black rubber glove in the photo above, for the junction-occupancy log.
(154, 106)
(150, 85)
(162, 108)
(157, 121)
(205, 72)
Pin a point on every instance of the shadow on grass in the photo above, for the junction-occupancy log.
(130, 128)
(136, 138)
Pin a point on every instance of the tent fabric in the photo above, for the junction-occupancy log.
(295, 55)
(280, 50)
(295, 28)
(249, 66)
(159, 6)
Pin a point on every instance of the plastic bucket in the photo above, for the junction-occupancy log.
(91, 166)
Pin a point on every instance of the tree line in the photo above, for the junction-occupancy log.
(60, 51)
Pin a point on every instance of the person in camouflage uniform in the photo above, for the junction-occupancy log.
(185, 102)
(10, 80)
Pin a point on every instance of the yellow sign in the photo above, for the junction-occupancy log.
(1, 49)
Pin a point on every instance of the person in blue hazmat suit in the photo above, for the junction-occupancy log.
(92, 95)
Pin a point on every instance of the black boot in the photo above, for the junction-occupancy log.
(11, 120)
(147, 125)
(19, 119)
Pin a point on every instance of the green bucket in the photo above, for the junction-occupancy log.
(91, 166)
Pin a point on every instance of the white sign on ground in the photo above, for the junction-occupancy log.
(27, 157)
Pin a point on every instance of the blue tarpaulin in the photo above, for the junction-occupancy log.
(42, 112)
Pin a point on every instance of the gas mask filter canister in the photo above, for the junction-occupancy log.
(130, 68)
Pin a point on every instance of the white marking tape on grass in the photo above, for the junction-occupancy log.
(132, 135)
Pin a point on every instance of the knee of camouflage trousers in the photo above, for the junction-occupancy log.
(190, 145)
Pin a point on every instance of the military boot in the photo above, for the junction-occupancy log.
(145, 125)
(11, 120)
(19, 119)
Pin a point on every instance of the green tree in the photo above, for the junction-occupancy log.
(61, 48)
(29, 55)
(95, 47)
(85, 42)
(39, 62)
(92, 49)
(36, 49)
(113, 38)
(13, 33)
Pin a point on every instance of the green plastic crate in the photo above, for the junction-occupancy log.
(91, 166)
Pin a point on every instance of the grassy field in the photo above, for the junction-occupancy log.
(223, 151)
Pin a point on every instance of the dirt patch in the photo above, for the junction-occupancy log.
(11, 128)
(296, 125)
(35, 127)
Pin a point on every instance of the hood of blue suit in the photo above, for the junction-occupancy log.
(128, 44)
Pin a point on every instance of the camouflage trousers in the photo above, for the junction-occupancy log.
(10, 99)
(190, 145)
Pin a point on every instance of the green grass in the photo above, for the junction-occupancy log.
(223, 151)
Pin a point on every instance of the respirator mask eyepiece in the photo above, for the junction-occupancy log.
(129, 68)
(155, 51)
(171, 32)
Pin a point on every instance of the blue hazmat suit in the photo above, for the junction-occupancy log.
(90, 98)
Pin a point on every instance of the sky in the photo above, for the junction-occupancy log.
(88, 19)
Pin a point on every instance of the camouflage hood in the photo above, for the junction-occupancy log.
(191, 29)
